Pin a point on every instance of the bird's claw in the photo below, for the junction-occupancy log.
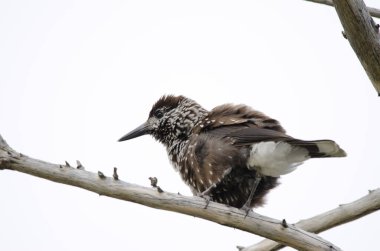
(246, 209)
(206, 197)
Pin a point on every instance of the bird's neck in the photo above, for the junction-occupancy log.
(183, 127)
(175, 147)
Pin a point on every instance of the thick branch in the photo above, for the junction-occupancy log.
(222, 214)
(333, 218)
(362, 33)
(373, 11)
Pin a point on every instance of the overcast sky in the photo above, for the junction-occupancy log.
(78, 75)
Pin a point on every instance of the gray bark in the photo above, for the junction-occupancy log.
(333, 218)
(104, 185)
(373, 11)
(362, 32)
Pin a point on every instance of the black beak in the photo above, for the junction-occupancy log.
(139, 131)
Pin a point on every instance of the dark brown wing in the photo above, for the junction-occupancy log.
(245, 135)
(231, 117)
(243, 126)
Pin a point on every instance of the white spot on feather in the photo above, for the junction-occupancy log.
(233, 197)
(276, 158)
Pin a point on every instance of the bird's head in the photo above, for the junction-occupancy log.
(171, 118)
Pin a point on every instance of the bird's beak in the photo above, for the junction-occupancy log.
(139, 131)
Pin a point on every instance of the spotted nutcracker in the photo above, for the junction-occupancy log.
(232, 154)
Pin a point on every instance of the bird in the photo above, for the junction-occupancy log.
(232, 154)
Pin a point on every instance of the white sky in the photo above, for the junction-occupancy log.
(78, 75)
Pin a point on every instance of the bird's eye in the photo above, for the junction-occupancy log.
(158, 114)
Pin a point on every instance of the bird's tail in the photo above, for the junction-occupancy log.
(321, 148)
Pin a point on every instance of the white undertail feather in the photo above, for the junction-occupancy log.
(276, 158)
(330, 148)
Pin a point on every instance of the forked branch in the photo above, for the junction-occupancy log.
(333, 218)
(109, 186)
(373, 11)
(362, 32)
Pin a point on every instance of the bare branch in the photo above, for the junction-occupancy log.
(222, 214)
(333, 218)
(363, 34)
(373, 11)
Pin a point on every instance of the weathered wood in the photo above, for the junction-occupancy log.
(373, 11)
(194, 206)
(363, 34)
(333, 218)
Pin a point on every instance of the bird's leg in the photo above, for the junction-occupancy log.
(247, 206)
(206, 193)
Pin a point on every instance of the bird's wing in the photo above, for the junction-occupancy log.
(244, 126)
(234, 117)
(248, 135)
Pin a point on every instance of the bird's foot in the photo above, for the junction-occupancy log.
(206, 194)
(247, 209)
(247, 206)
(206, 197)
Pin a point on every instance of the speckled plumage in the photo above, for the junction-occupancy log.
(212, 150)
